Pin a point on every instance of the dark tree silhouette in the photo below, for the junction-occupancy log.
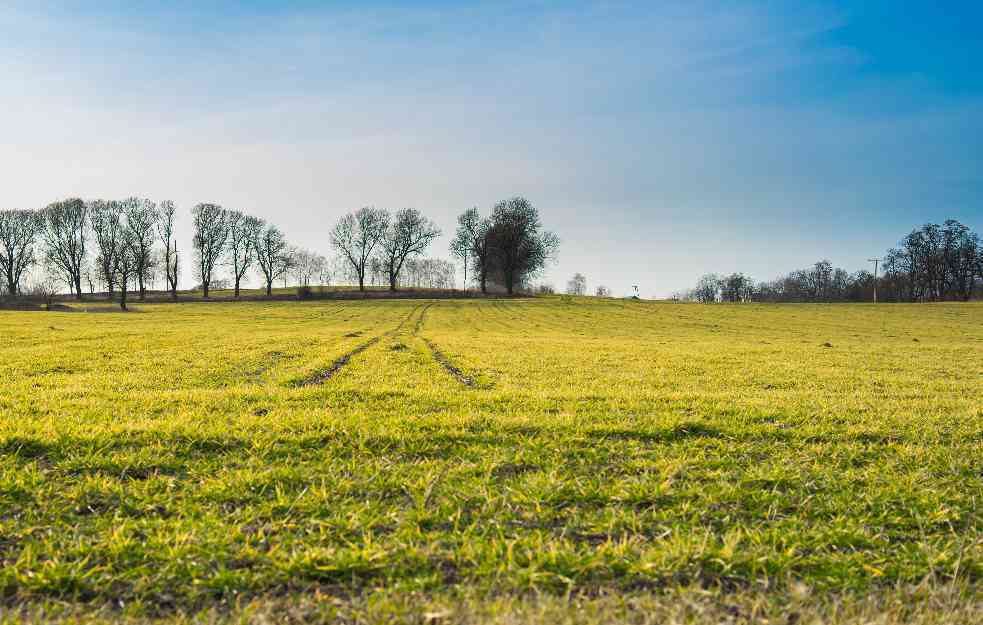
(356, 237)
(408, 234)
(65, 240)
(272, 255)
(19, 230)
(165, 231)
(520, 248)
(211, 234)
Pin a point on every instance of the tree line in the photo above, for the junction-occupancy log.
(934, 262)
(124, 245)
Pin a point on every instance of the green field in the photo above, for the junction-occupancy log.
(541, 460)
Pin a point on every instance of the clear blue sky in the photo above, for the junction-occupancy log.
(660, 140)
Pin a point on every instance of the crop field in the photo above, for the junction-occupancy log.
(510, 461)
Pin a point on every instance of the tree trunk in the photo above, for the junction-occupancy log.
(392, 283)
(361, 282)
(143, 288)
(78, 287)
(237, 288)
(269, 288)
(204, 289)
(174, 280)
(122, 297)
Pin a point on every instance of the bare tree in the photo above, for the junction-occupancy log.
(308, 266)
(243, 230)
(521, 248)
(211, 234)
(141, 222)
(357, 235)
(19, 230)
(577, 285)
(65, 238)
(602, 291)
(165, 231)
(738, 287)
(272, 255)
(473, 242)
(126, 261)
(323, 270)
(106, 219)
(409, 234)
(707, 288)
(464, 238)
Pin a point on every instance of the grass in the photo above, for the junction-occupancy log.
(550, 460)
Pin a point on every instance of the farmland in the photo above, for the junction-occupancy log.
(487, 460)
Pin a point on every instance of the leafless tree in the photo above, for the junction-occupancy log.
(65, 238)
(464, 238)
(106, 219)
(243, 230)
(356, 237)
(473, 242)
(602, 291)
(141, 222)
(376, 272)
(707, 289)
(520, 248)
(272, 255)
(409, 234)
(210, 237)
(19, 230)
(44, 286)
(323, 270)
(308, 266)
(430, 273)
(165, 231)
(577, 285)
(127, 267)
(736, 287)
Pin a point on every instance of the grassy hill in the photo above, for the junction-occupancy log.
(541, 460)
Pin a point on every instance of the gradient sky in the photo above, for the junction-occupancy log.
(660, 140)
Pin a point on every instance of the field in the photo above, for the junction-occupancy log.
(548, 460)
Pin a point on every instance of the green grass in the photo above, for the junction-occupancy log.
(492, 461)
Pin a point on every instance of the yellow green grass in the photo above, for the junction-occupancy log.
(492, 461)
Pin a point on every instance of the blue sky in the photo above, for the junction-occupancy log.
(660, 140)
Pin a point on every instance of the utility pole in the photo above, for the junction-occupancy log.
(875, 261)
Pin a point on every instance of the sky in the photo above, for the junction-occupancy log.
(659, 140)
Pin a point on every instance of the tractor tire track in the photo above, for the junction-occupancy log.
(449, 366)
(322, 376)
(441, 358)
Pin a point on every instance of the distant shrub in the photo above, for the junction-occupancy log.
(305, 292)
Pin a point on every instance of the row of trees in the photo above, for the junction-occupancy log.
(123, 233)
(375, 238)
(133, 241)
(932, 263)
(424, 273)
